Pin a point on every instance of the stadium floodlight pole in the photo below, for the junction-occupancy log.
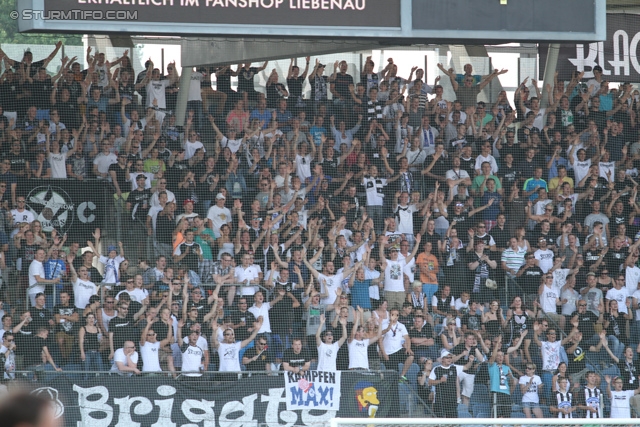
(183, 95)
(549, 73)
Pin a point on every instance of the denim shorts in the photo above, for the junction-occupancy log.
(530, 405)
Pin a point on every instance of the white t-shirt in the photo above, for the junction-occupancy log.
(243, 274)
(111, 268)
(531, 394)
(229, 357)
(548, 299)
(36, 269)
(329, 285)
(632, 278)
(394, 276)
(605, 167)
(150, 357)
(155, 90)
(82, 291)
(192, 357)
(620, 296)
(103, 161)
(492, 161)
(119, 356)
(327, 355)
(264, 312)
(373, 188)
(581, 169)
(404, 218)
(58, 163)
(137, 294)
(24, 216)
(620, 403)
(545, 259)
(303, 166)
(190, 148)
(219, 217)
(550, 355)
(194, 87)
(233, 144)
(358, 357)
(539, 120)
(394, 338)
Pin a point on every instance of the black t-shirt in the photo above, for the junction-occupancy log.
(260, 363)
(461, 348)
(295, 87)
(122, 330)
(425, 332)
(529, 281)
(202, 307)
(41, 93)
(629, 374)
(295, 360)
(41, 317)
(121, 176)
(586, 321)
(18, 162)
(342, 83)
(27, 253)
(446, 390)
(440, 168)
(283, 315)
(577, 360)
(509, 175)
(249, 319)
(65, 310)
(245, 79)
(614, 259)
(501, 236)
(140, 200)
(161, 330)
(35, 344)
(472, 320)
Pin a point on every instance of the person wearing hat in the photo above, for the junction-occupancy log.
(318, 84)
(219, 215)
(138, 205)
(445, 380)
(111, 262)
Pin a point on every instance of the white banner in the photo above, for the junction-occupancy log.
(313, 390)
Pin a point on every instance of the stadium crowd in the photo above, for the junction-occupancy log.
(374, 224)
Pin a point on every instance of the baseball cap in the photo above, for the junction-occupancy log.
(445, 353)
(220, 196)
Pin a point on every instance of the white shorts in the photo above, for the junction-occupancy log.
(466, 381)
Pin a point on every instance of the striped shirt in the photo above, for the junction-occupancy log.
(592, 397)
(513, 259)
(564, 401)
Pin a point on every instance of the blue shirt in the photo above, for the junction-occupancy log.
(261, 117)
(559, 161)
(316, 133)
(491, 213)
(499, 377)
(531, 183)
(360, 294)
(54, 268)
